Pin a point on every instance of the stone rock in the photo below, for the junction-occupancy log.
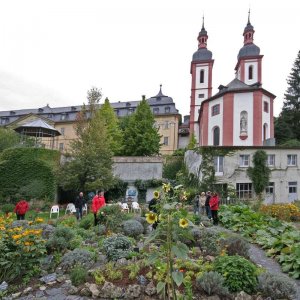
(94, 290)
(54, 291)
(133, 291)
(60, 279)
(259, 297)
(47, 262)
(42, 288)
(49, 278)
(20, 223)
(27, 290)
(214, 297)
(102, 259)
(150, 289)
(142, 280)
(122, 262)
(243, 296)
(109, 290)
(73, 290)
(39, 294)
(3, 286)
(210, 258)
(16, 295)
(85, 292)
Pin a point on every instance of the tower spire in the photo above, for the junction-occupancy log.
(249, 17)
(248, 31)
(203, 22)
(202, 37)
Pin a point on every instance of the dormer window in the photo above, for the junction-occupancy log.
(167, 109)
(202, 76)
(40, 110)
(250, 72)
(158, 98)
(128, 104)
(117, 112)
(130, 111)
(50, 116)
(4, 120)
(64, 117)
(156, 110)
(12, 113)
(73, 108)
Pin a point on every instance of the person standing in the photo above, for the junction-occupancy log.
(79, 204)
(21, 208)
(153, 207)
(214, 207)
(97, 202)
(202, 201)
(207, 207)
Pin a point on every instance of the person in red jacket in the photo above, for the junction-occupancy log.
(97, 202)
(21, 209)
(214, 207)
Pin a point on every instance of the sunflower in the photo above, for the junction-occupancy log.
(183, 223)
(156, 194)
(151, 218)
(166, 187)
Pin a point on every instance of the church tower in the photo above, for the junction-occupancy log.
(201, 71)
(248, 67)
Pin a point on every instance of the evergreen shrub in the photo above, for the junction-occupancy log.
(117, 247)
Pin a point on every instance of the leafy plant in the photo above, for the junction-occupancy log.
(134, 270)
(87, 222)
(117, 247)
(212, 283)
(7, 208)
(238, 272)
(132, 228)
(112, 273)
(60, 240)
(78, 275)
(236, 245)
(99, 277)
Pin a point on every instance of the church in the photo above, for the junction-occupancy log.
(241, 112)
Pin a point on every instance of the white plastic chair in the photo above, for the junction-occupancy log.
(85, 209)
(54, 210)
(125, 207)
(135, 207)
(71, 208)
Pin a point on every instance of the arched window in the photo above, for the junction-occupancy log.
(265, 131)
(202, 76)
(216, 136)
(243, 123)
(250, 72)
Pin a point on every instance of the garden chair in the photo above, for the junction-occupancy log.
(71, 208)
(85, 209)
(54, 210)
(125, 207)
(135, 207)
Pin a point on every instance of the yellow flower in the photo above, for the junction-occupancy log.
(39, 220)
(156, 194)
(166, 187)
(16, 236)
(151, 218)
(28, 243)
(183, 223)
(2, 228)
(183, 196)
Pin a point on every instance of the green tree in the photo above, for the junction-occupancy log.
(192, 143)
(90, 163)
(141, 136)
(115, 134)
(283, 131)
(291, 106)
(8, 138)
(259, 173)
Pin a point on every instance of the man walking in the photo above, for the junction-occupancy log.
(79, 204)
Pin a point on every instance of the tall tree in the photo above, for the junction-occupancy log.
(259, 173)
(291, 106)
(90, 165)
(141, 136)
(8, 139)
(115, 134)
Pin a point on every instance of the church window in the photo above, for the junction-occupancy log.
(265, 131)
(266, 106)
(215, 110)
(202, 76)
(250, 72)
(216, 136)
(201, 96)
(243, 123)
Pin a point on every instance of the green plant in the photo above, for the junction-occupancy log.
(78, 256)
(172, 165)
(276, 286)
(111, 217)
(134, 270)
(76, 242)
(87, 222)
(78, 275)
(209, 241)
(188, 287)
(112, 273)
(117, 247)
(60, 240)
(132, 228)
(99, 277)
(212, 283)
(236, 245)
(238, 272)
(7, 208)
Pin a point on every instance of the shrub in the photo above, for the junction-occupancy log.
(77, 257)
(60, 240)
(238, 272)
(212, 283)
(78, 275)
(7, 208)
(67, 221)
(208, 241)
(143, 221)
(282, 211)
(132, 228)
(87, 222)
(117, 247)
(111, 217)
(276, 286)
(236, 245)
(76, 242)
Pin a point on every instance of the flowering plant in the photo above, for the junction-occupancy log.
(172, 220)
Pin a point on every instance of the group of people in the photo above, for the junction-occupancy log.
(207, 203)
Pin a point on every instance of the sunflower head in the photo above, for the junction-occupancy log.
(183, 223)
(166, 187)
(156, 194)
(151, 218)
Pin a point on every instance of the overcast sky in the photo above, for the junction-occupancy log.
(52, 52)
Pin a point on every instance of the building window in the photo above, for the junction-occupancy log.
(201, 96)
(266, 106)
(244, 160)
(128, 104)
(216, 136)
(244, 190)
(167, 109)
(265, 131)
(250, 72)
(50, 116)
(292, 187)
(292, 160)
(166, 125)
(61, 146)
(64, 117)
(117, 112)
(215, 110)
(166, 141)
(218, 164)
(202, 76)
(130, 111)
(62, 131)
(270, 188)
(271, 160)
(156, 110)
(158, 98)
(4, 120)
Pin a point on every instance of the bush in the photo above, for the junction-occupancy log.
(212, 283)
(76, 242)
(236, 245)
(87, 222)
(117, 247)
(111, 217)
(60, 239)
(282, 211)
(132, 228)
(238, 272)
(208, 241)
(80, 257)
(7, 208)
(78, 275)
(143, 221)
(276, 286)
